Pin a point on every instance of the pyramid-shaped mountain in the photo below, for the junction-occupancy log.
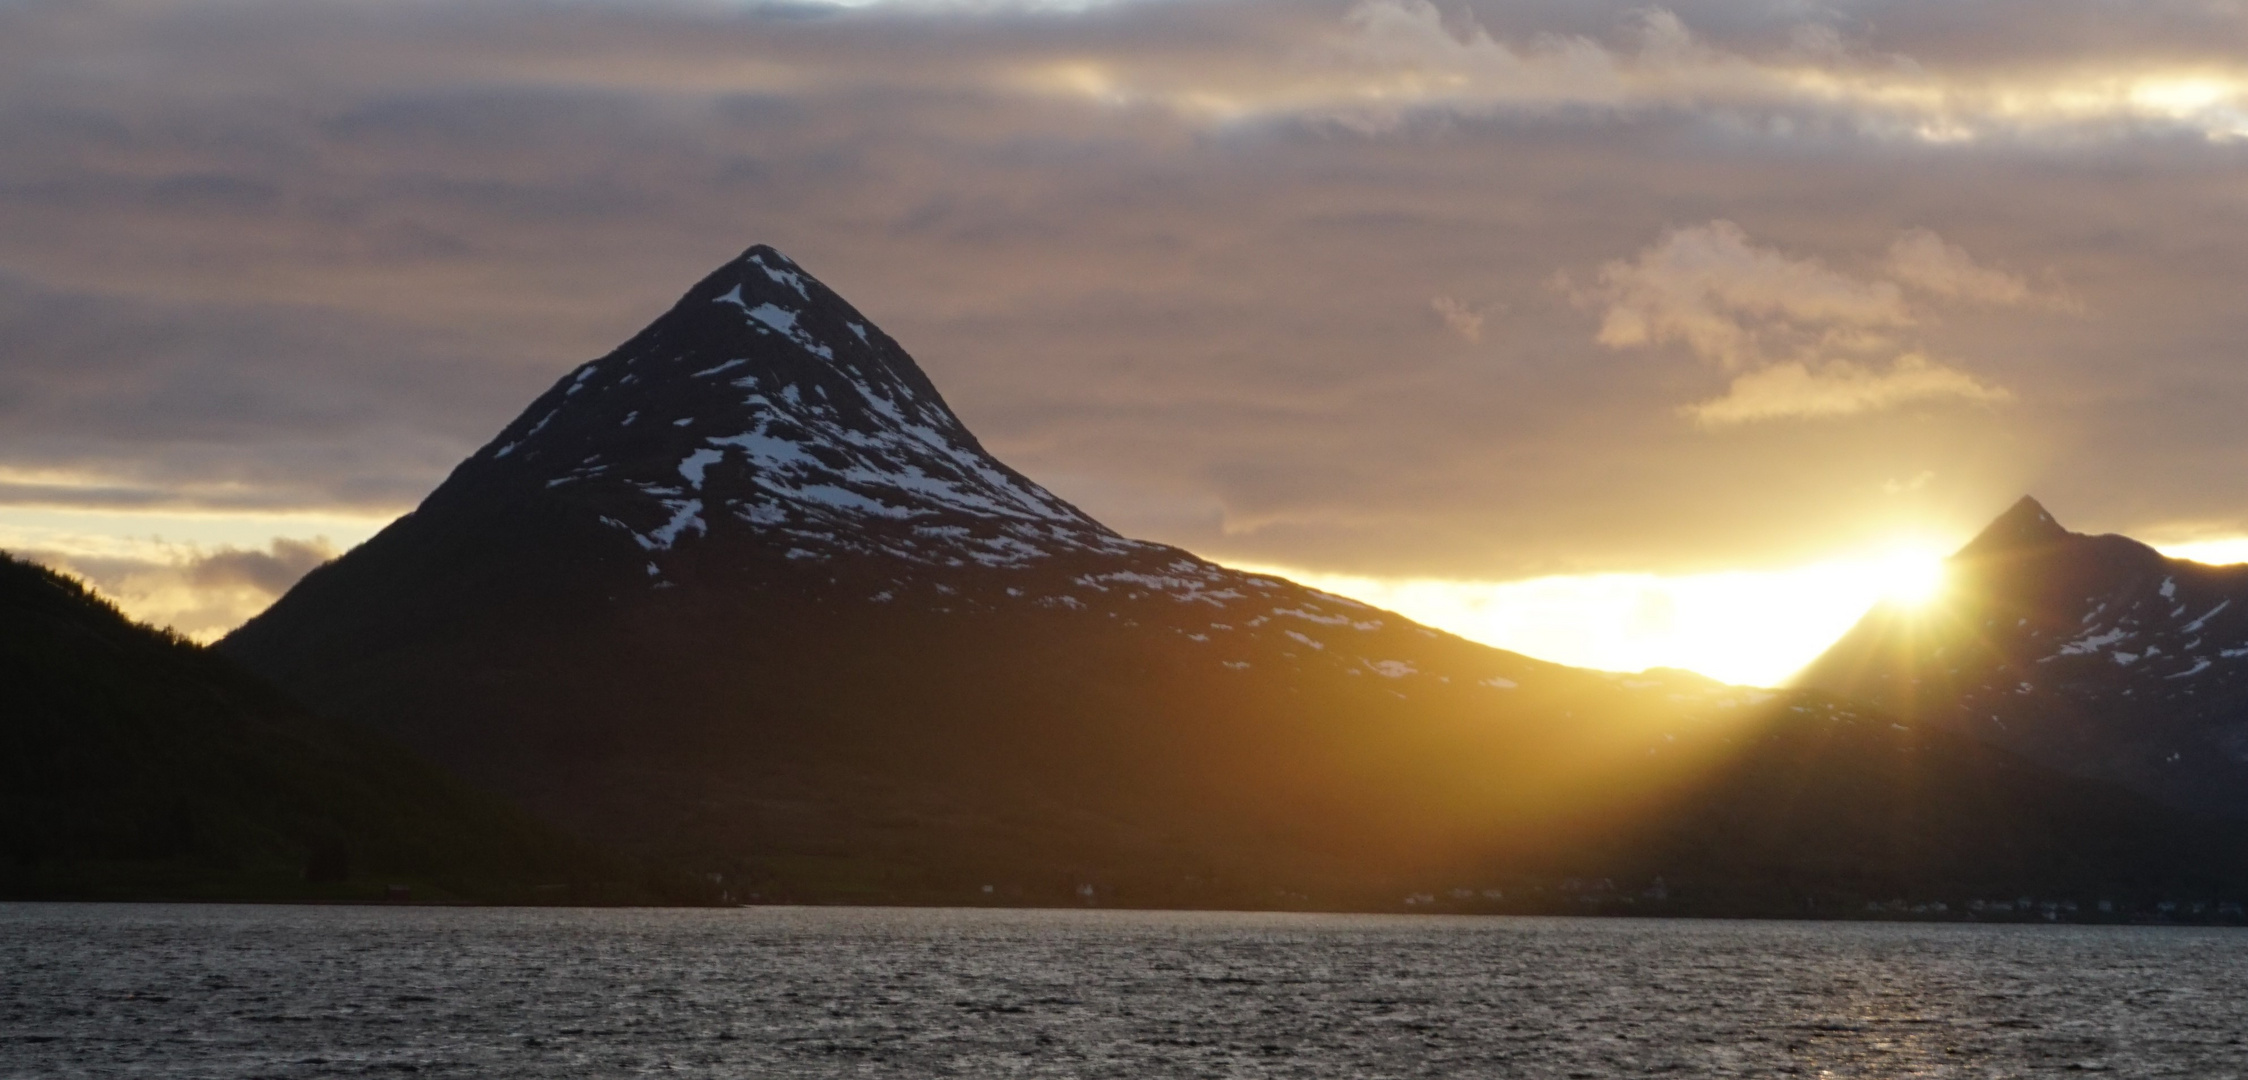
(746, 596)
(765, 409)
(2092, 654)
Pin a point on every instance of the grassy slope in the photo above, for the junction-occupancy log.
(137, 765)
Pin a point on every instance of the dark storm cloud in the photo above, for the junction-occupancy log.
(1202, 266)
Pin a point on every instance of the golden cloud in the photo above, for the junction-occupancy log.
(1839, 388)
(1804, 340)
(1731, 302)
(1392, 58)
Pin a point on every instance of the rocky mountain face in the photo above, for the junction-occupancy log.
(746, 596)
(2092, 654)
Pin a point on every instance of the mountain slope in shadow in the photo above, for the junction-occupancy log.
(138, 765)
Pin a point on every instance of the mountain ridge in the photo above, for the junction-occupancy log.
(745, 597)
(2096, 655)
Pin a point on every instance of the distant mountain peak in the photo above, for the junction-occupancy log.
(2026, 524)
(2093, 654)
(764, 404)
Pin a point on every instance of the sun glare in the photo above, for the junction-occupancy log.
(1744, 626)
(2222, 552)
(1911, 577)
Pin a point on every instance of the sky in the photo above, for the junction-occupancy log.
(1596, 330)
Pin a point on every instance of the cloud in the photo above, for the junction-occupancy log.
(1920, 480)
(1734, 303)
(1922, 260)
(1391, 61)
(279, 257)
(122, 397)
(1839, 388)
(1463, 319)
(202, 593)
(1802, 340)
(271, 571)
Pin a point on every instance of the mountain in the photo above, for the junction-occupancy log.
(137, 765)
(745, 596)
(2094, 655)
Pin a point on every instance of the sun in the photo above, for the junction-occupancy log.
(1910, 577)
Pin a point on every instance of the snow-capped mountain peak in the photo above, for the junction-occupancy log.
(763, 435)
(764, 403)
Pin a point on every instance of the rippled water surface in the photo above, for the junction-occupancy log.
(217, 991)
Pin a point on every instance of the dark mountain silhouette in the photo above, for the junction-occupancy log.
(138, 765)
(747, 597)
(2095, 655)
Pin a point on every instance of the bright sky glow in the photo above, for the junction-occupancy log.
(1754, 627)
(2218, 552)
(200, 574)
(1745, 626)
(1403, 55)
(164, 535)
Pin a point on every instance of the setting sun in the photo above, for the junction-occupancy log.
(1911, 577)
(1742, 626)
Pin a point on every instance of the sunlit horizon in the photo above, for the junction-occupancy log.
(2220, 552)
(1750, 627)
(1746, 626)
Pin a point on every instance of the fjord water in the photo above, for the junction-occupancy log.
(211, 991)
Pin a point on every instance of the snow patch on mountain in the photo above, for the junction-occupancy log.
(2094, 642)
(686, 516)
(699, 461)
(2196, 625)
(770, 317)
